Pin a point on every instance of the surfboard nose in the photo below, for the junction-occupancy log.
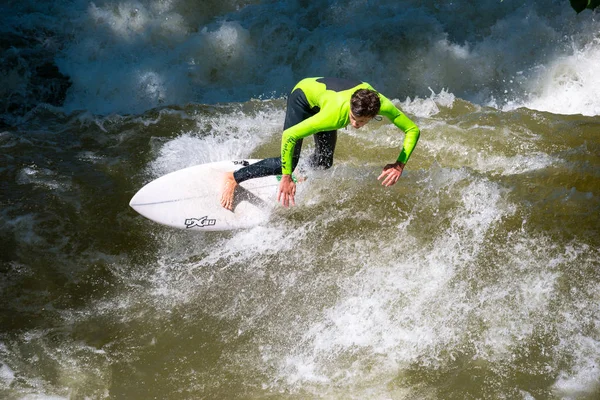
(190, 198)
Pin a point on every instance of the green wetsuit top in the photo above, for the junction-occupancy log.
(334, 113)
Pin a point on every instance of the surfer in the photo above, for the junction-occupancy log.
(320, 106)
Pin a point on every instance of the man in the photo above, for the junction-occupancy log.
(320, 106)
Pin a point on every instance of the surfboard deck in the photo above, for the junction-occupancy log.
(190, 198)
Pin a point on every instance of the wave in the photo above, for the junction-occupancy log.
(481, 262)
(131, 56)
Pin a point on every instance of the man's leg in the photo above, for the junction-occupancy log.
(266, 167)
(298, 109)
(325, 142)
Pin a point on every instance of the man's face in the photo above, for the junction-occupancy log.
(358, 122)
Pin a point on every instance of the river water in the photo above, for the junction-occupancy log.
(477, 276)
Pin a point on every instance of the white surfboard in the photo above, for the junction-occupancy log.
(190, 198)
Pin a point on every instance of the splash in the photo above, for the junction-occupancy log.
(130, 56)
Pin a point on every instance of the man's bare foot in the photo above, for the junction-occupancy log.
(229, 185)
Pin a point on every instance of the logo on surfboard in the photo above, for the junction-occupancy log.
(199, 222)
(241, 162)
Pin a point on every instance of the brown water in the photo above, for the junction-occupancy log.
(474, 277)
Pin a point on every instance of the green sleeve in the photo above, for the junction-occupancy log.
(398, 118)
(317, 123)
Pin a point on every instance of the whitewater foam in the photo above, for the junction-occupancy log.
(131, 56)
(569, 84)
(216, 138)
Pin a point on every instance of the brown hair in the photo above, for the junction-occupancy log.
(365, 103)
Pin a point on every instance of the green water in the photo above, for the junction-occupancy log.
(475, 277)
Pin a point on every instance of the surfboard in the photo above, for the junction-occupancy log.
(190, 198)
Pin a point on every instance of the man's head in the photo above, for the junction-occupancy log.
(364, 106)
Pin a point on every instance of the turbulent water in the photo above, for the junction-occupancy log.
(477, 276)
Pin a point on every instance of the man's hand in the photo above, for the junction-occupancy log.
(287, 191)
(391, 173)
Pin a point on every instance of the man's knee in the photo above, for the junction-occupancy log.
(321, 161)
(326, 165)
(326, 162)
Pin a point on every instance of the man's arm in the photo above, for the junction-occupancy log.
(392, 172)
(287, 187)
(411, 136)
(402, 122)
(290, 136)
